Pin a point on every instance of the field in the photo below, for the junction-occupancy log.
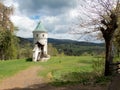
(59, 70)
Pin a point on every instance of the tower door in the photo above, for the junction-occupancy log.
(42, 49)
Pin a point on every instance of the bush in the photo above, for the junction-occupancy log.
(72, 78)
(98, 67)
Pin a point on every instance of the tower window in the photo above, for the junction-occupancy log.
(43, 35)
(37, 35)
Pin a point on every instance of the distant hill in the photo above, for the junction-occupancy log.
(76, 48)
(62, 41)
(67, 41)
(24, 41)
(70, 47)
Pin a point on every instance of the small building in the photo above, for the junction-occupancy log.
(40, 37)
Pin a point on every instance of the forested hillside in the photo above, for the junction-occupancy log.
(71, 47)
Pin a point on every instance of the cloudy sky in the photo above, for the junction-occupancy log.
(57, 16)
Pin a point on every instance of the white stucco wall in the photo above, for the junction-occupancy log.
(41, 37)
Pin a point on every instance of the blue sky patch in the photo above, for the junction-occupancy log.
(36, 17)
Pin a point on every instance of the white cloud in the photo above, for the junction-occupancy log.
(73, 13)
(56, 20)
(24, 24)
(9, 3)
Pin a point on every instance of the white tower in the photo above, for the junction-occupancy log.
(40, 41)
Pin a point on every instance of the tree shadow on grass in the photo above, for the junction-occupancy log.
(68, 81)
(43, 86)
(29, 60)
(46, 86)
(85, 61)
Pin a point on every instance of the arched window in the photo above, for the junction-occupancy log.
(43, 35)
(37, 35)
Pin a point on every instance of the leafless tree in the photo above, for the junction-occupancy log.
(102, 16)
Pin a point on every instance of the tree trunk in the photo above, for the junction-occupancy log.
(118, 53)
(108, 57)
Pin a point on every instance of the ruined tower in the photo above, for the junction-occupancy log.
(40, 36)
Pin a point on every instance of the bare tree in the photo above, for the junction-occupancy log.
(102, 16)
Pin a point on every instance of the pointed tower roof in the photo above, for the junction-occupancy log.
(40, 27)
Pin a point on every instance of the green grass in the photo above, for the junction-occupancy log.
(70, 69)
(67, 64)
(10, 67)
(59, 70)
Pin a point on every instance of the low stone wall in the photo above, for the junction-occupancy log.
(115, 67)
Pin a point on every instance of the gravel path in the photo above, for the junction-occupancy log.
(23, 79)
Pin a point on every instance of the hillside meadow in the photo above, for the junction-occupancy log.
(60, 70)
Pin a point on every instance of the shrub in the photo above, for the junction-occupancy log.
(98, 67)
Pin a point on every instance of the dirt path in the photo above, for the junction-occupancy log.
(29, 80)
(115, 83)
(23, 79)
